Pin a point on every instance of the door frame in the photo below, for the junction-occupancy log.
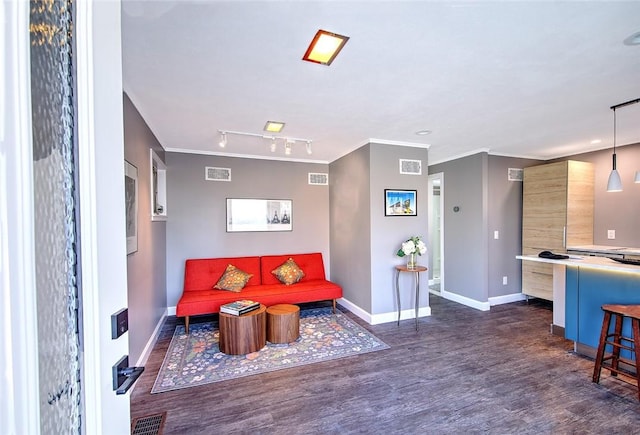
(430, 200)
(102, 215)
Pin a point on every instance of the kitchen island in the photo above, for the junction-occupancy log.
(581, 285)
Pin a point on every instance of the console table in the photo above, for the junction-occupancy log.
(416, 270)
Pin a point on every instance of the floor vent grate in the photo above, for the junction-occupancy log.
(149, 425)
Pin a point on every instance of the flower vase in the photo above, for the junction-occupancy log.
(412, 261)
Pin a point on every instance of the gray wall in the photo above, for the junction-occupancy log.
(351, 226)
(505, 216)
(146, 271)
(388, 232)
(465, 259)
(196, 227)
(616, 210)
(363, 240)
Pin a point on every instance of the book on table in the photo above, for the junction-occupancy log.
(238, 308)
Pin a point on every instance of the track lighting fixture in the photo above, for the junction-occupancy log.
(288, 141)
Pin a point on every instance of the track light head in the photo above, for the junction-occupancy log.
(309, 151)
(273, 145)
(223, 139)
(287, 147)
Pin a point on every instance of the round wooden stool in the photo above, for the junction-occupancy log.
(243, 334)
(283, 323)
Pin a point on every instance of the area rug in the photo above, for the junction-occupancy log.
(195, 359)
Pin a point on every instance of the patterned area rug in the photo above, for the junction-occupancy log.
(195, 359)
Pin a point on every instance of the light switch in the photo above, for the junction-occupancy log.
(611, 234)
(496, 234)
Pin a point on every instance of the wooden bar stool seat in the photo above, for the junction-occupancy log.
(612, 361)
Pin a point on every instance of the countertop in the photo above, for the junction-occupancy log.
(586, 261)
(602, 249)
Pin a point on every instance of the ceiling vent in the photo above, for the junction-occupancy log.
(515, 174)
(217, 174)
(411, 167)
(318, 179)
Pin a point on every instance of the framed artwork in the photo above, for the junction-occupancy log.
(131, 206)
(400, 202)
(259, 215)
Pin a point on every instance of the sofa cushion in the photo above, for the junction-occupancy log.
(288, 273)
(204, 273)
(233, 279)
(311, 264)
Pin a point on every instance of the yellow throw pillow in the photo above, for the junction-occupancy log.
(233, 279)
(288, 273)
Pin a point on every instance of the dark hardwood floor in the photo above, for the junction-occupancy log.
(464, 371)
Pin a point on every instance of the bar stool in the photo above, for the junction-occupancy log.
(618, 342)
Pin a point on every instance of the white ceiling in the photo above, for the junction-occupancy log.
(529, 79)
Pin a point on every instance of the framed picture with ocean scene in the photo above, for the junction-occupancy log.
(400, 202)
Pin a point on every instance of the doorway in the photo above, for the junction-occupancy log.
(436, 232)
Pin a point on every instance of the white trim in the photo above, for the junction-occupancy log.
(88, 220)
(146, 352)
(459, 156)
(242, 156)
(20, 398)
(171, 311)
(506, 299)
(376, 319)
(482, 306)
(396, 143)
(355, 309)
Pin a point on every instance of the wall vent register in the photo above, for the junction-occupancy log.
(410, 167)
(318, 179)
(217, 174)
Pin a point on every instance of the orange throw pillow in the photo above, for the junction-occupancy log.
(288, 273)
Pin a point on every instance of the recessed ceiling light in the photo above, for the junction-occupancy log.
(633, 39)
(274, 126)
(596, 141)
(324, 47)
(423, 132)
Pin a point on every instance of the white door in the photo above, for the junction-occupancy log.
(62, 243)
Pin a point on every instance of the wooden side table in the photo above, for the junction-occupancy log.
(416, 270)
(283, 323)
(243, 334)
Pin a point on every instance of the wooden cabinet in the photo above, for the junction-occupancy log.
(557, 211)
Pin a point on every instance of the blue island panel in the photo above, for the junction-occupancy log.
(571, 303)
(587, 290)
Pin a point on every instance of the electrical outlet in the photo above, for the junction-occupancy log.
(496, 235)
(504, 280)
(611, 234)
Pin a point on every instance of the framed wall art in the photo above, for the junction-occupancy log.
(400, 202)
(259, 214)
(131, 206)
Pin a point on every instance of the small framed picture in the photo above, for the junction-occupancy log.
(400, 202)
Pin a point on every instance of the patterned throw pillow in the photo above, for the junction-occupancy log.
(288, 273)
(233, 279)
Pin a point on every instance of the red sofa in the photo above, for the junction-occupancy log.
(200, 275)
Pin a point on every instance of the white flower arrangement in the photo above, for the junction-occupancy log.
(413, 245)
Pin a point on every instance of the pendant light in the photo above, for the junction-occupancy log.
(614, 184)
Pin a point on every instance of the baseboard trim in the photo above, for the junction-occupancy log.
(376, 319)
(507, 299)
(146, 352)
(482, 306)
(171, 311)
